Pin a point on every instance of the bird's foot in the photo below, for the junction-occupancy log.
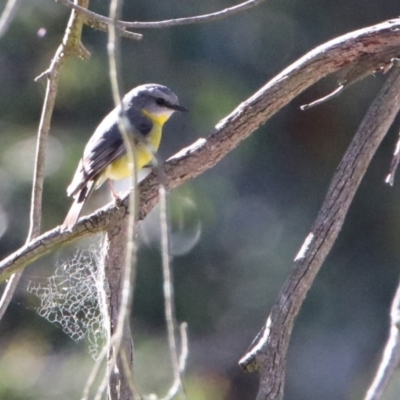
(117, 201)
(115, 196)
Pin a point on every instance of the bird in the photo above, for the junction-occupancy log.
(147, 107)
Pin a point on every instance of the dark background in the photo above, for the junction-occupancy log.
(236, 229)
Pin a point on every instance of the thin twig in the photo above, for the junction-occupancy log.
(168, 285)
(8, 15)
(9, 291)
(391, 354)
(379, 42)
(173, 391)
(101, 26)
(97, 21)
(94, 373)
(130, 379)
(184, 346)
(394, 164)
(117, 380)
(199, 19)
(268, 354)
(70, 45)
(324, 99)
(128, 275)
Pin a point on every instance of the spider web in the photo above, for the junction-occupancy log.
(70, 298)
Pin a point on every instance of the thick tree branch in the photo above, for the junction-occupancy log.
(114, 259)
(366, 49)
(268, 353)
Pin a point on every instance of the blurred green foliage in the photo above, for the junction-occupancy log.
(241, 223)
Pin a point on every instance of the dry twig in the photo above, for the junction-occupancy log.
(391, 354)
(119, 253)
(8, 15)
(394, 164)
(168, 286)
(100, 22)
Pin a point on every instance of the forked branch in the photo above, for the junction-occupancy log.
(268, 352)
(70, 45)
(364, 51)
(101, 22)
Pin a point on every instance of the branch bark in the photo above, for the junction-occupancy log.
(354, 55)
(114, 256)
(268, 353)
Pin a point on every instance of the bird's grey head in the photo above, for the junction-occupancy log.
(154, 100)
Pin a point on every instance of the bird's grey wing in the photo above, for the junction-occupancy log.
(108, 145)
(105, 146)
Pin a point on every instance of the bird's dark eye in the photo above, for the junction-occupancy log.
(160, 101)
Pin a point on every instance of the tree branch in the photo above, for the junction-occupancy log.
(169, 300)
(268, 353)
(120, 251)
(366, 49)
(100, 22)
(8, 15)
(394, 164)
(391, 354)
(70, 45)
(114, 259)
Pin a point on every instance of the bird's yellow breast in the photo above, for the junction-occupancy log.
(121, 168)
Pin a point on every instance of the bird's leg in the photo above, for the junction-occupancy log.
(117, 199)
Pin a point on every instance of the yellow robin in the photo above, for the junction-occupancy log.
(147, 107)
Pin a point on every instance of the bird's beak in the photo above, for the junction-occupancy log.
(177, 107)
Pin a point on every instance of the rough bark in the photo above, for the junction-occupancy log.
(114, 258)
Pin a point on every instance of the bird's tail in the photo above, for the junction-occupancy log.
(75, 211)
(73, 215)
